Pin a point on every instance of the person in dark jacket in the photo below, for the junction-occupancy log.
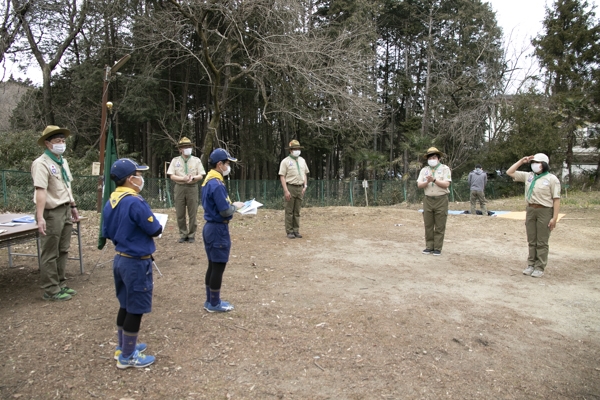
(132, 226)
(477, 181)
(218, 211)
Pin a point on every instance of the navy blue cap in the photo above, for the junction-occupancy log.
(124, 167)
(220, 155)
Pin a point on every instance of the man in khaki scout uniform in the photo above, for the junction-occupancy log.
(186, 171)
(435, 179)
(293, 174)
(55, 209)
(542, 194)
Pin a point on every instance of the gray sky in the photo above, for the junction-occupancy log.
(521, 20)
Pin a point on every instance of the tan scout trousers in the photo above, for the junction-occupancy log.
(538, 235)
(435, 214)
(55, 248)
(292, 209)
(476, 195)
(186, 199)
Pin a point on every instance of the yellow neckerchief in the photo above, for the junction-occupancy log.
(119, 194)
(214, 174)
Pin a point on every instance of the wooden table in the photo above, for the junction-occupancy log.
(21, 233)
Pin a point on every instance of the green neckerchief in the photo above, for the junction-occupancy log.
(433, 171)
(59, 161)
(530, 190)
(297, 166)
(185, 163)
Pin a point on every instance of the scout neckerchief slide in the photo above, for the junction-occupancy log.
(297, 165)
(185, 164)
(433, 172)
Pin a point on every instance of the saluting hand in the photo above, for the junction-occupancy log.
(526, 159)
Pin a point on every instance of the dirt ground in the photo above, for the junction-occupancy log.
(351, 311)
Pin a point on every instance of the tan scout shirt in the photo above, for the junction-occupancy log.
(442, 173)
(545, 190)
(46, 174)
(293, 171)
(194, 167)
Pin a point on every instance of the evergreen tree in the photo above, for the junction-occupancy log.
(568, 52)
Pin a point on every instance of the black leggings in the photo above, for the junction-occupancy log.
(214, 275)
(130, 322)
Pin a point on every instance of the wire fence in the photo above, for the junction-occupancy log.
(17, 192)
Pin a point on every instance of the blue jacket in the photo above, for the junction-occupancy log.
(215, 201)
(130, 224)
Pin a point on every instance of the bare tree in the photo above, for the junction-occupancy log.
(315, 76)
(11, 25)
(50, 28)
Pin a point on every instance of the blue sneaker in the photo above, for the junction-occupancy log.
(223, 303)
(136, 360)
(141, 347)
(223, 306)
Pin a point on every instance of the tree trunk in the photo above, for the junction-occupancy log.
(47, 95)
(424, 126)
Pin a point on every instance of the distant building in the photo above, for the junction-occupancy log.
(584, 160)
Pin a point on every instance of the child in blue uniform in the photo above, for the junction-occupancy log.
(131, 225)
(218, 211)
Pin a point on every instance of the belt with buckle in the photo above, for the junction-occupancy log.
(291, 184)
(217, 222)
(129, 256)
(533, 205)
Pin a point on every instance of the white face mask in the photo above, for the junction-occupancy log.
(536, 167)
(59, 148)
(140, 187)
(296, 153)
(432, 163)
(187, 152)
(227, 171)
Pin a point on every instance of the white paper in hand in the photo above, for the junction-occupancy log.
(250, 207)
(162, 220)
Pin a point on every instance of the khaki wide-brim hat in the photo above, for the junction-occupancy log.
(52, 130)
(433, 150)
(185, 142)
(294, 144)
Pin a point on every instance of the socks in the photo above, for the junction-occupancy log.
(129, 342)
(215, 297)
(207, 294)
(120, 336)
